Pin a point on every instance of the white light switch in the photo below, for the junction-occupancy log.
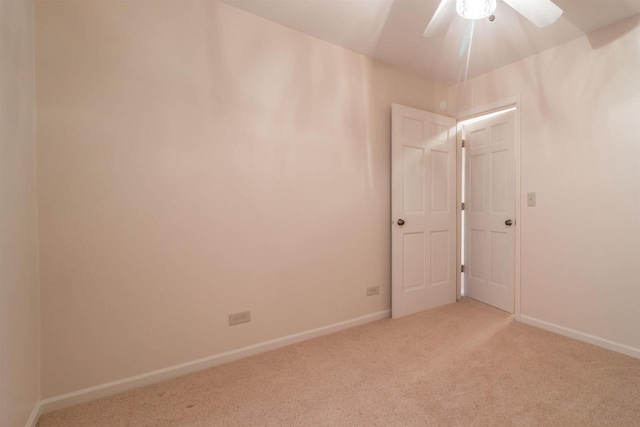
(531, 199)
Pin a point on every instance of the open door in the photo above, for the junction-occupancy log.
(423, 209)
(490, 209)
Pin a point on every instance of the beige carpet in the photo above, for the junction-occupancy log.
(462, 364)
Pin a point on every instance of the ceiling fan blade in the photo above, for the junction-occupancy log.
(540, 12)
(441, 19)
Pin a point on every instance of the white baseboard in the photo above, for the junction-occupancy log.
(582, 336)
(33, 418)
(103, 390)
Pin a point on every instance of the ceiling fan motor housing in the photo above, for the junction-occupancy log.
(475, 9)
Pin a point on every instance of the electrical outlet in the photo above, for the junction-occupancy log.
(373, 290)
(237, 318)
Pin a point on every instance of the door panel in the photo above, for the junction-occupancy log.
(413, 159)
(476, 186)
(490, 243)
(440, 266)
(413, 266)
(440, 181)
(423, 179)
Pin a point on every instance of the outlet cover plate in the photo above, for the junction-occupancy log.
(237, 318)
(373, 290)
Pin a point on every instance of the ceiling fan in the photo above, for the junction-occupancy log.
(540, 12)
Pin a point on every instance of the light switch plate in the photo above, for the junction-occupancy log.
(531, 199)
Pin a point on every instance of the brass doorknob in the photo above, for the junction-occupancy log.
(508, 223)
(401, 221)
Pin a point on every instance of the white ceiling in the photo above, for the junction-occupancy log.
(391, 31)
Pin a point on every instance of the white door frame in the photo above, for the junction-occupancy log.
(479, 111)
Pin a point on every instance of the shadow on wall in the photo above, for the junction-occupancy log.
(555, 82)
(269, 83)
(607, 35)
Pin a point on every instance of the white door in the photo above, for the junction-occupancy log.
(490, 210)
(423, 209)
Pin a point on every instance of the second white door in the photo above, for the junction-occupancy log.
(423, 205)
(490, 210)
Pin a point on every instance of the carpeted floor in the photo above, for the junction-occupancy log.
(463, 364)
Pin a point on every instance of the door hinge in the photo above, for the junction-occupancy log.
(462, 268)
(463, 143)
(462, 206)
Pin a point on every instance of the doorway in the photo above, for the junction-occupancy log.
(488, 177)
(431, 234)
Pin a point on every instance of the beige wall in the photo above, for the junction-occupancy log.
(580, 153)
(19, 307)
(195, 161)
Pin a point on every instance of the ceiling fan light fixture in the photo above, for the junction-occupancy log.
(475, 9)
